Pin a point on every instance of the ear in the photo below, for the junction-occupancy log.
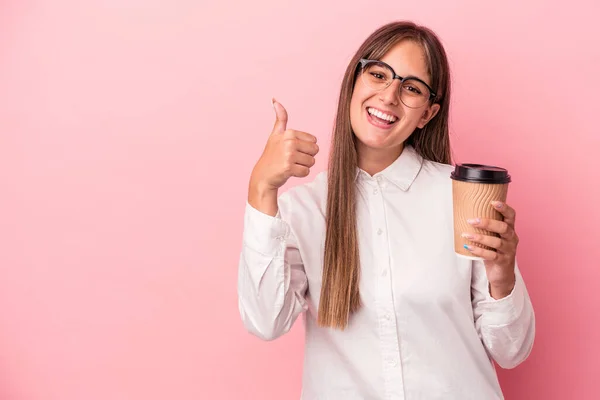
(428, 114)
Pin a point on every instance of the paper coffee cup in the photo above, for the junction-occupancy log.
(474, 187)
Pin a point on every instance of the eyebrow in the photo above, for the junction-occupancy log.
(409, 75)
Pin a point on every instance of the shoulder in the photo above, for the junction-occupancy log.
(435, 175)
(306, 198)
(435, 188)
(436, 170)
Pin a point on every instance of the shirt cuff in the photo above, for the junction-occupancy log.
(505, 311)
(264, 233)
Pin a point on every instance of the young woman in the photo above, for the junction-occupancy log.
(365, 251)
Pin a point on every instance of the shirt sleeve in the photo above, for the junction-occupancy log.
(506, 326)
(272, 282)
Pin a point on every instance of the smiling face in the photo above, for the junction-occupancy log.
(379, 119)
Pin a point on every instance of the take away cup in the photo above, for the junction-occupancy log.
(474, 187)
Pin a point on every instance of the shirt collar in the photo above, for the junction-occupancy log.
(402, 172)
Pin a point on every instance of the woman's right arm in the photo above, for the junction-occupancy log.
(271, 278)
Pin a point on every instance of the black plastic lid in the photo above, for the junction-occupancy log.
(478, 173)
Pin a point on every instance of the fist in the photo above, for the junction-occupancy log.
(287, 153)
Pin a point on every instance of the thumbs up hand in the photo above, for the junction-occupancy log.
(287, 153)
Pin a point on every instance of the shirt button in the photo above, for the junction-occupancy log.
(379, 178)
(375, 191)
(393, 363)
(379, 231)
(384, 273)
(387, 317)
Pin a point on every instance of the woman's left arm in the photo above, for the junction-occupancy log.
(503, 312)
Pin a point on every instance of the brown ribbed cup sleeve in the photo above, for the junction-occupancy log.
(472, 200)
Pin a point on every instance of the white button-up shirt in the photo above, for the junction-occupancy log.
(428, 327)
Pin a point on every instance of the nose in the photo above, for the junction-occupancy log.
(391, 94)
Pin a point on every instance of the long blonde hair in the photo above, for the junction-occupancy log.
(340, 296)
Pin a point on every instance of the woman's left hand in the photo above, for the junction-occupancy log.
(499, 264)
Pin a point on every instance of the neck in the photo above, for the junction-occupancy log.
(373, 161)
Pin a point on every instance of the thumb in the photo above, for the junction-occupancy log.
(281, 118)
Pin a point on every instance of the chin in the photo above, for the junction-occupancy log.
(378, 138)
(377, 142)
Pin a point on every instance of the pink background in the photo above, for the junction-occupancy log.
(128, 130)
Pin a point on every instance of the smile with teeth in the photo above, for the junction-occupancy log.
(390, 119)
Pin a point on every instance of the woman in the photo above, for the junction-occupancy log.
(365, 251)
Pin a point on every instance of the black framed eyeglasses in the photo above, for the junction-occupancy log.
(378, 75)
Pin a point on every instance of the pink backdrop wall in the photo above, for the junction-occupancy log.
(128, 130)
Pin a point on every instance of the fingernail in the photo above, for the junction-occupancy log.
(474, 221)
(273, 102)
(467, 235)
(466, 246)
(497, 204)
